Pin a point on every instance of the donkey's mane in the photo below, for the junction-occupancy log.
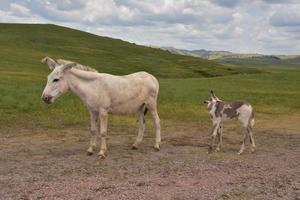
(77, 66)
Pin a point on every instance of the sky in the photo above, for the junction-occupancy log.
(240, 26)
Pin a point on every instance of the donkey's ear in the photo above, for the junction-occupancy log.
(218, 99)
(50, 62)
(68, 66)
(212, 94)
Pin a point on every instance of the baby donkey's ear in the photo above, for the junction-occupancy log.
(214, 96)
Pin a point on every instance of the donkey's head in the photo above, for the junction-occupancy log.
(213, 99)
(56, 83)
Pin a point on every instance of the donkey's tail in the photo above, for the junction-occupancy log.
(145, 110)
(252, 120)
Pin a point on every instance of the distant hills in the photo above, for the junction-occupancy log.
(202, 53)
(246, 60)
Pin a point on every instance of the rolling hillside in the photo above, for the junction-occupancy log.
(23, 46)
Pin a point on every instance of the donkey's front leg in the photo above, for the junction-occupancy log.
(93, 142)
(103, 133)
(220, 132)
(214, 133)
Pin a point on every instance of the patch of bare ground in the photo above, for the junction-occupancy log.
(52, 164)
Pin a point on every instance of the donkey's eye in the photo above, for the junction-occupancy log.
(55, 80)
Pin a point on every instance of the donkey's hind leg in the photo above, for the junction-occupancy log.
(244, 140)
(249, 129)
(156, 122)
(141, 120)
(151, 105)
(220, 132)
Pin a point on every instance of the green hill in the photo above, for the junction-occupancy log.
(23, 46)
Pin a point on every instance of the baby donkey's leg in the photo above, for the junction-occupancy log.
(244, 140)
(220, 132)
(214, 132)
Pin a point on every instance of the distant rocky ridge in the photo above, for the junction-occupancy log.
(252, 60)
(198, 53)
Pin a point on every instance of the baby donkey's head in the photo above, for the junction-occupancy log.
(213, 99)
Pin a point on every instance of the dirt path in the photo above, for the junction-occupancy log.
(53, 165)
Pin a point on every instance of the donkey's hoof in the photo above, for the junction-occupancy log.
(89, 153)
(217, 150)
(210, 150)
(134, 147)
(156, 148)
(239, 153)
(252, 150)
(101, 156)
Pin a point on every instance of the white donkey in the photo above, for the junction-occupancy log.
(103, 94)
(220, 111)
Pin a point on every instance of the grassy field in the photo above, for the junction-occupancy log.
(42, 147)
(274, 92)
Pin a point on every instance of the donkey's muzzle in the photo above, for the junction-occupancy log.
(47, 98)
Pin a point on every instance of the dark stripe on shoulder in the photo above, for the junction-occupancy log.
(219, 108)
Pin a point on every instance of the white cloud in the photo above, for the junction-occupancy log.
(19, 10)
(17, 13)
(262, 26)
(286, 16)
